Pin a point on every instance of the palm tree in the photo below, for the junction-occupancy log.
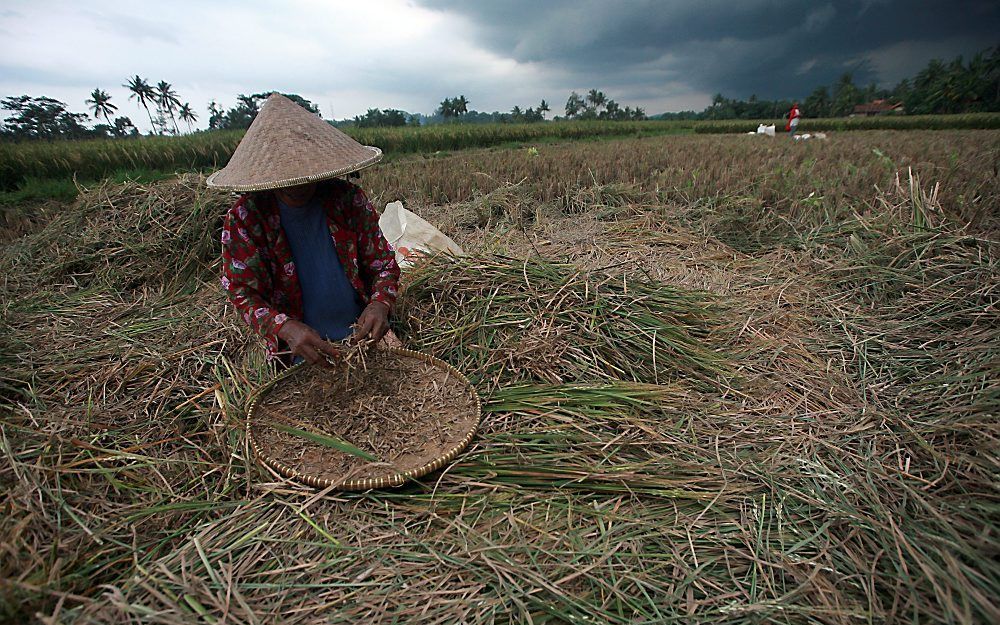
(597, 98)
(122, 127)
(100, 104)
(818, 102)
(167, 99)
(461, 105)
(447, 108)
(187, 115)
(543, 108)
(215, 115)
(143, 93)
(574, 104)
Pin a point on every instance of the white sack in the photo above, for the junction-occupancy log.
(413, 236)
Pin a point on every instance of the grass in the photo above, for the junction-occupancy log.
(729, 182)
(968, 121)
(816, 441)
(40, 189)
(20, 163)
(95, 159)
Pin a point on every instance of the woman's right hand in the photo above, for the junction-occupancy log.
(307, 343)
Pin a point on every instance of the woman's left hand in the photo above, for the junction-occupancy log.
(373, 322)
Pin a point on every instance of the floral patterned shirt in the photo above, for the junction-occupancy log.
(258, 272)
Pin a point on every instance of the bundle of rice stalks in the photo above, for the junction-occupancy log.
(116, 363)
(601, 438)
(503, 320)
(114, 442)
(605, 199)
(508, 202)
(123, 237)
(905, 243)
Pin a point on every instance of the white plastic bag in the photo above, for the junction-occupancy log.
(765, 130)
(413, 236)
(806, 136)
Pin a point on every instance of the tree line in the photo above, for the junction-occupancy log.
(48, 118)
(246, 109)
(450, 110)
(457, 110)
(960, 86)
(595, 105)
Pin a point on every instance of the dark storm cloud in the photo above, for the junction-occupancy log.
(773, 48)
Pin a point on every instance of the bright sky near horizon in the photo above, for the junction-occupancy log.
(410, 54)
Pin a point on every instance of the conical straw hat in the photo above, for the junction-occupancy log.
(287, 145)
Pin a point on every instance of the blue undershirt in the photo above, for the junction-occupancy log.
(329, 302)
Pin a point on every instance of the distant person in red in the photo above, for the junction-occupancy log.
(793, 118)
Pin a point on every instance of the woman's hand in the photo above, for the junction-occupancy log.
(307, 344)
(373, 322)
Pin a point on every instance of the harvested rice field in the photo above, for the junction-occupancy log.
(725, 379)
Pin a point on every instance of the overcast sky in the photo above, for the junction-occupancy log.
(347, 57)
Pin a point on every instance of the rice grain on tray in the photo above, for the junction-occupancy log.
(376, 413)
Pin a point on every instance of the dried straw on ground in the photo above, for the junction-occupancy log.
(820, 446)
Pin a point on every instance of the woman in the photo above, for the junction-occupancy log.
(793, 119)
(304, 260)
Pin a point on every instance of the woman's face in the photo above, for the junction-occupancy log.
(298, 195)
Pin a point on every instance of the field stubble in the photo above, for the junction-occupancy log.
(726, 379)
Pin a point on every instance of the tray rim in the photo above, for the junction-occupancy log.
(387, 481)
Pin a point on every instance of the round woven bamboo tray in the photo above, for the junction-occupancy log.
(392, 477)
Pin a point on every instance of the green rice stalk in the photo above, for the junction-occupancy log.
(325, 440)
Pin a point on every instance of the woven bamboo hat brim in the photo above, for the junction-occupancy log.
(287, 145)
